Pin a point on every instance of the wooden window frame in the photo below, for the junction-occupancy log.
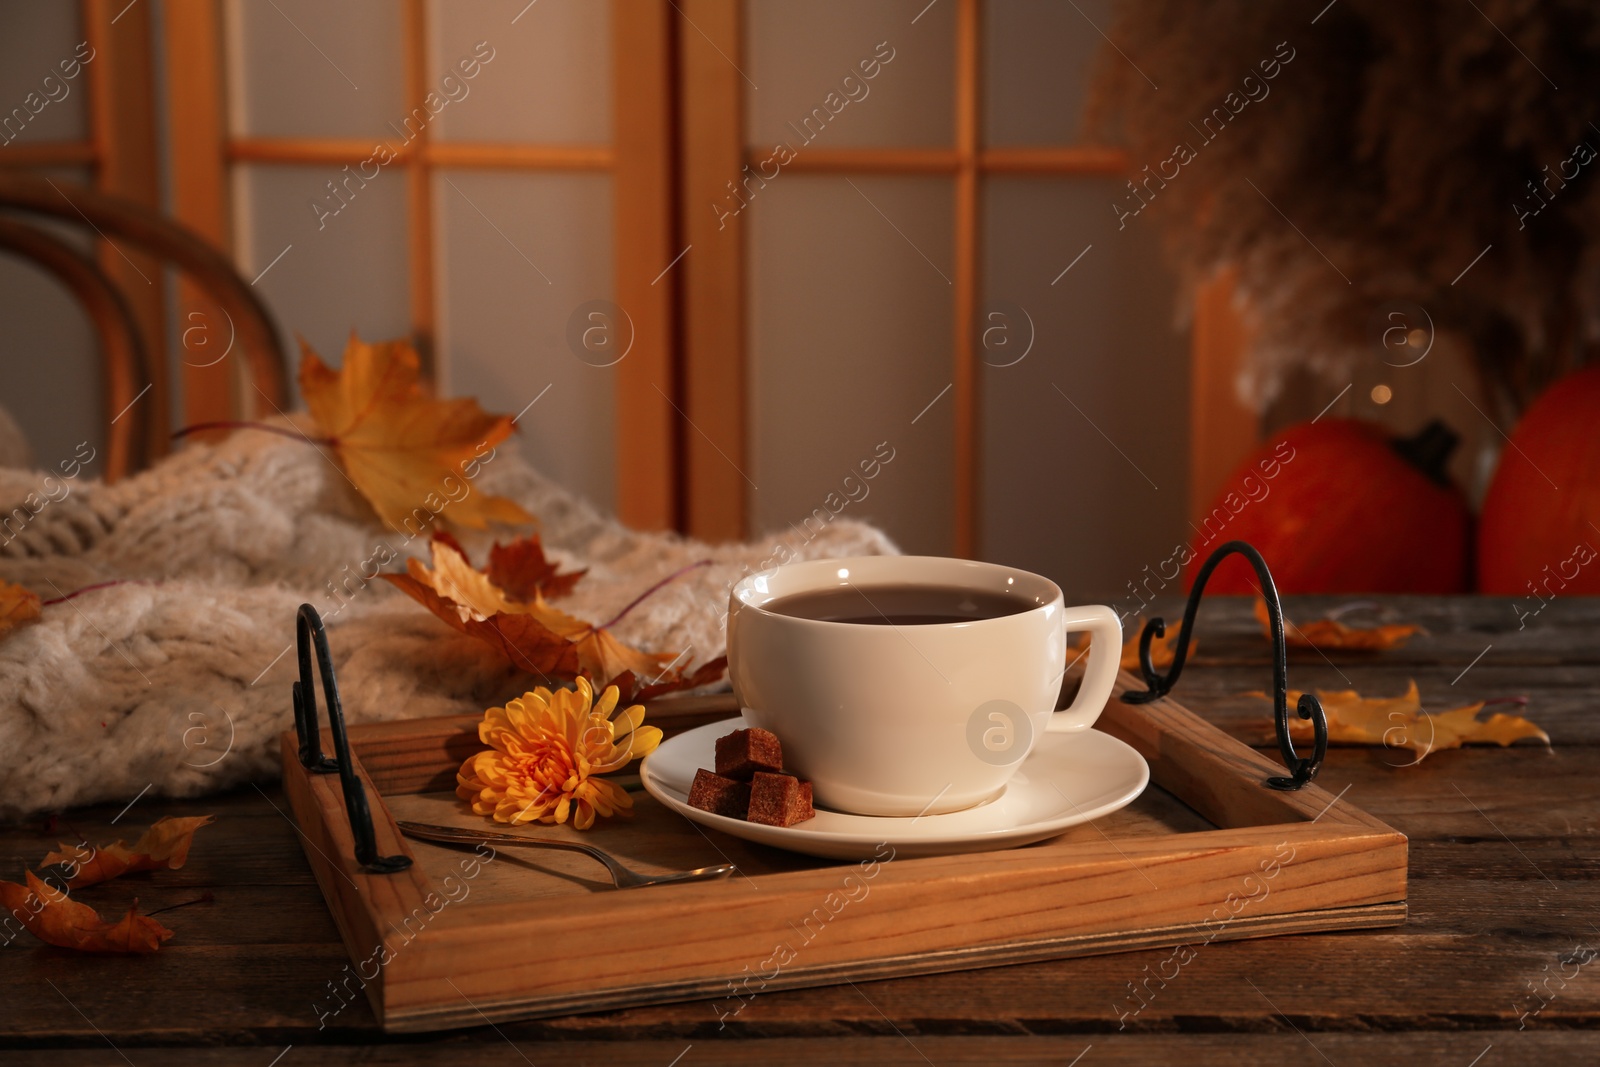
(122, 123)
(714, 350)
(639, 162)
(712, 274)
(681, 397)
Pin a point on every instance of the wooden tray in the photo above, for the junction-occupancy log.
(1207, 853)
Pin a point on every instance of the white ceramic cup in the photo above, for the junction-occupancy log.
(906, 720)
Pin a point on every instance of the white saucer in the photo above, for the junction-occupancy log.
(1066, 780)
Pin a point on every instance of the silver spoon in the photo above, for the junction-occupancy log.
(621, 876)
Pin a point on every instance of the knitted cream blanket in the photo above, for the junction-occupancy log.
(178, 681)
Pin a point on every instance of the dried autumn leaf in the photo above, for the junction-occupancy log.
(17, 606)
(165, 846)
(402, 447)
(1331, 633)
(473, 596)
(532, 635)
(521, 568)
(56, 919)
(634, 692)
(600, 654)
(1400, 722)
(523, 640)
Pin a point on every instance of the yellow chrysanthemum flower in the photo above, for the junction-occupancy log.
(545, 751)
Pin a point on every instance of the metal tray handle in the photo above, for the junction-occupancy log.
(309, 630)
(1301, 770)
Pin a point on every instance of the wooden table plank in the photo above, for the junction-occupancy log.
(1457, 629)
(1487, 910)
(1564, 702)
(1505, 881)
(1554, 663)
(487, 1049)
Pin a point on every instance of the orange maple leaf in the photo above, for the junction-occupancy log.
(642, 690)
(56, 919)
(164, 846)
(404, 449)
(1331, 633)
(531, 634)
(1400, 722)
(17, 606)
(602, 656)
(521, 568)
(465, 599)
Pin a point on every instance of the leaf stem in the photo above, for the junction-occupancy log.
(89, 589)
(208, 897)
(680, 572)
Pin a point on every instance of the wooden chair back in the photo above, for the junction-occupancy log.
(126, 354)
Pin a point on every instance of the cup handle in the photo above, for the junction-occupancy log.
(1105, 657)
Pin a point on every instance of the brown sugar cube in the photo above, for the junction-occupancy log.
(719, 795)
(779, 799)
(744, 752)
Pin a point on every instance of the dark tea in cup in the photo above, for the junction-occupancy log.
(900, 605)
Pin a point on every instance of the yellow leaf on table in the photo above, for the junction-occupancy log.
(1400, 722)
(17, 606)
(56, 919)
(165, 846)
(1331, 633)
(404, 449)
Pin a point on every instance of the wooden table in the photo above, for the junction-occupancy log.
(1504, 893)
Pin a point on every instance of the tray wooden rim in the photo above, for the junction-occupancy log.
(1349, 871)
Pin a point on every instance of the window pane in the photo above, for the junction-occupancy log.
(1036, 57)
(521, 256)
(39, 38)
(849, 343)
(308, 68)
(1077, 433)
(547, 77)
(806, 56)
(337, 271)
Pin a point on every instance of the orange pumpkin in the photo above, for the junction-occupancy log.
(1538, 531)
(1336, 506)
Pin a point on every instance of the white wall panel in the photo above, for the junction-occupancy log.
(849, 341)
(800, 51)
(549, 80)
(337, 273)
(308, 68)
(1035, 64)
(519, 255)
(1084, 473)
